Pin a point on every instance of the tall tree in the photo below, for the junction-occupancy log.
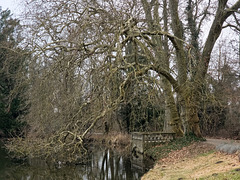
(12, 71)
(81, 48)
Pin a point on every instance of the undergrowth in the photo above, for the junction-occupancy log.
(162, 151)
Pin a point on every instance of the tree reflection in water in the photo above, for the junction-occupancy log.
(116, 167)
(101, 165)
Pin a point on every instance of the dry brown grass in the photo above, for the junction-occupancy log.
(197, 160)
(112, 139)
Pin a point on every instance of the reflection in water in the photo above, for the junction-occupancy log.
(101, 165)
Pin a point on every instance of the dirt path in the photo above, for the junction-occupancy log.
(217, 142)
(198, 161)
(225, 145)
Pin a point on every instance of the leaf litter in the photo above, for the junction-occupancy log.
(195, 161)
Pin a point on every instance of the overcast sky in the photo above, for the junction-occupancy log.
(13, 5)
(16, 7)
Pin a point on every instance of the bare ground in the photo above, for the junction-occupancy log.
(196, 161)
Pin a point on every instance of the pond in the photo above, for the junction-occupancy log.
(102, 164)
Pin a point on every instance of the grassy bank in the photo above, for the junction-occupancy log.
(162, 151)
(192, 159)
(231, 175)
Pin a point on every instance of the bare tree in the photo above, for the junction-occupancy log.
(88, 54)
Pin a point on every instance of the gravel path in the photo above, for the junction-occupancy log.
(225, 145)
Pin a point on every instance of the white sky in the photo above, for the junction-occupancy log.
(16, 7)
(13, 5)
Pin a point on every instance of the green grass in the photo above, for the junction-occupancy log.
(207, 153)
(230, 175)
(162, 151)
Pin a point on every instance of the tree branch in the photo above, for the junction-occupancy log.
(221, 15)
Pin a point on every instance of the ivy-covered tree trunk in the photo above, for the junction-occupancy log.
(190, 107)
(190, 83)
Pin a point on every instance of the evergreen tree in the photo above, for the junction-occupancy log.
(12, 70)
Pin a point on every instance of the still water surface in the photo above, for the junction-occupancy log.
(102, 164)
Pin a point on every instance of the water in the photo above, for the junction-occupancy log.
(102, 164)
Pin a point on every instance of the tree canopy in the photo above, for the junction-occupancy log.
(135, 65)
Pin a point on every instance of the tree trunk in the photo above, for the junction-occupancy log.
(189, 102)
(172, 120)
(192, 118)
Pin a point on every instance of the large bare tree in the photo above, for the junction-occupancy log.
(86, 56)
